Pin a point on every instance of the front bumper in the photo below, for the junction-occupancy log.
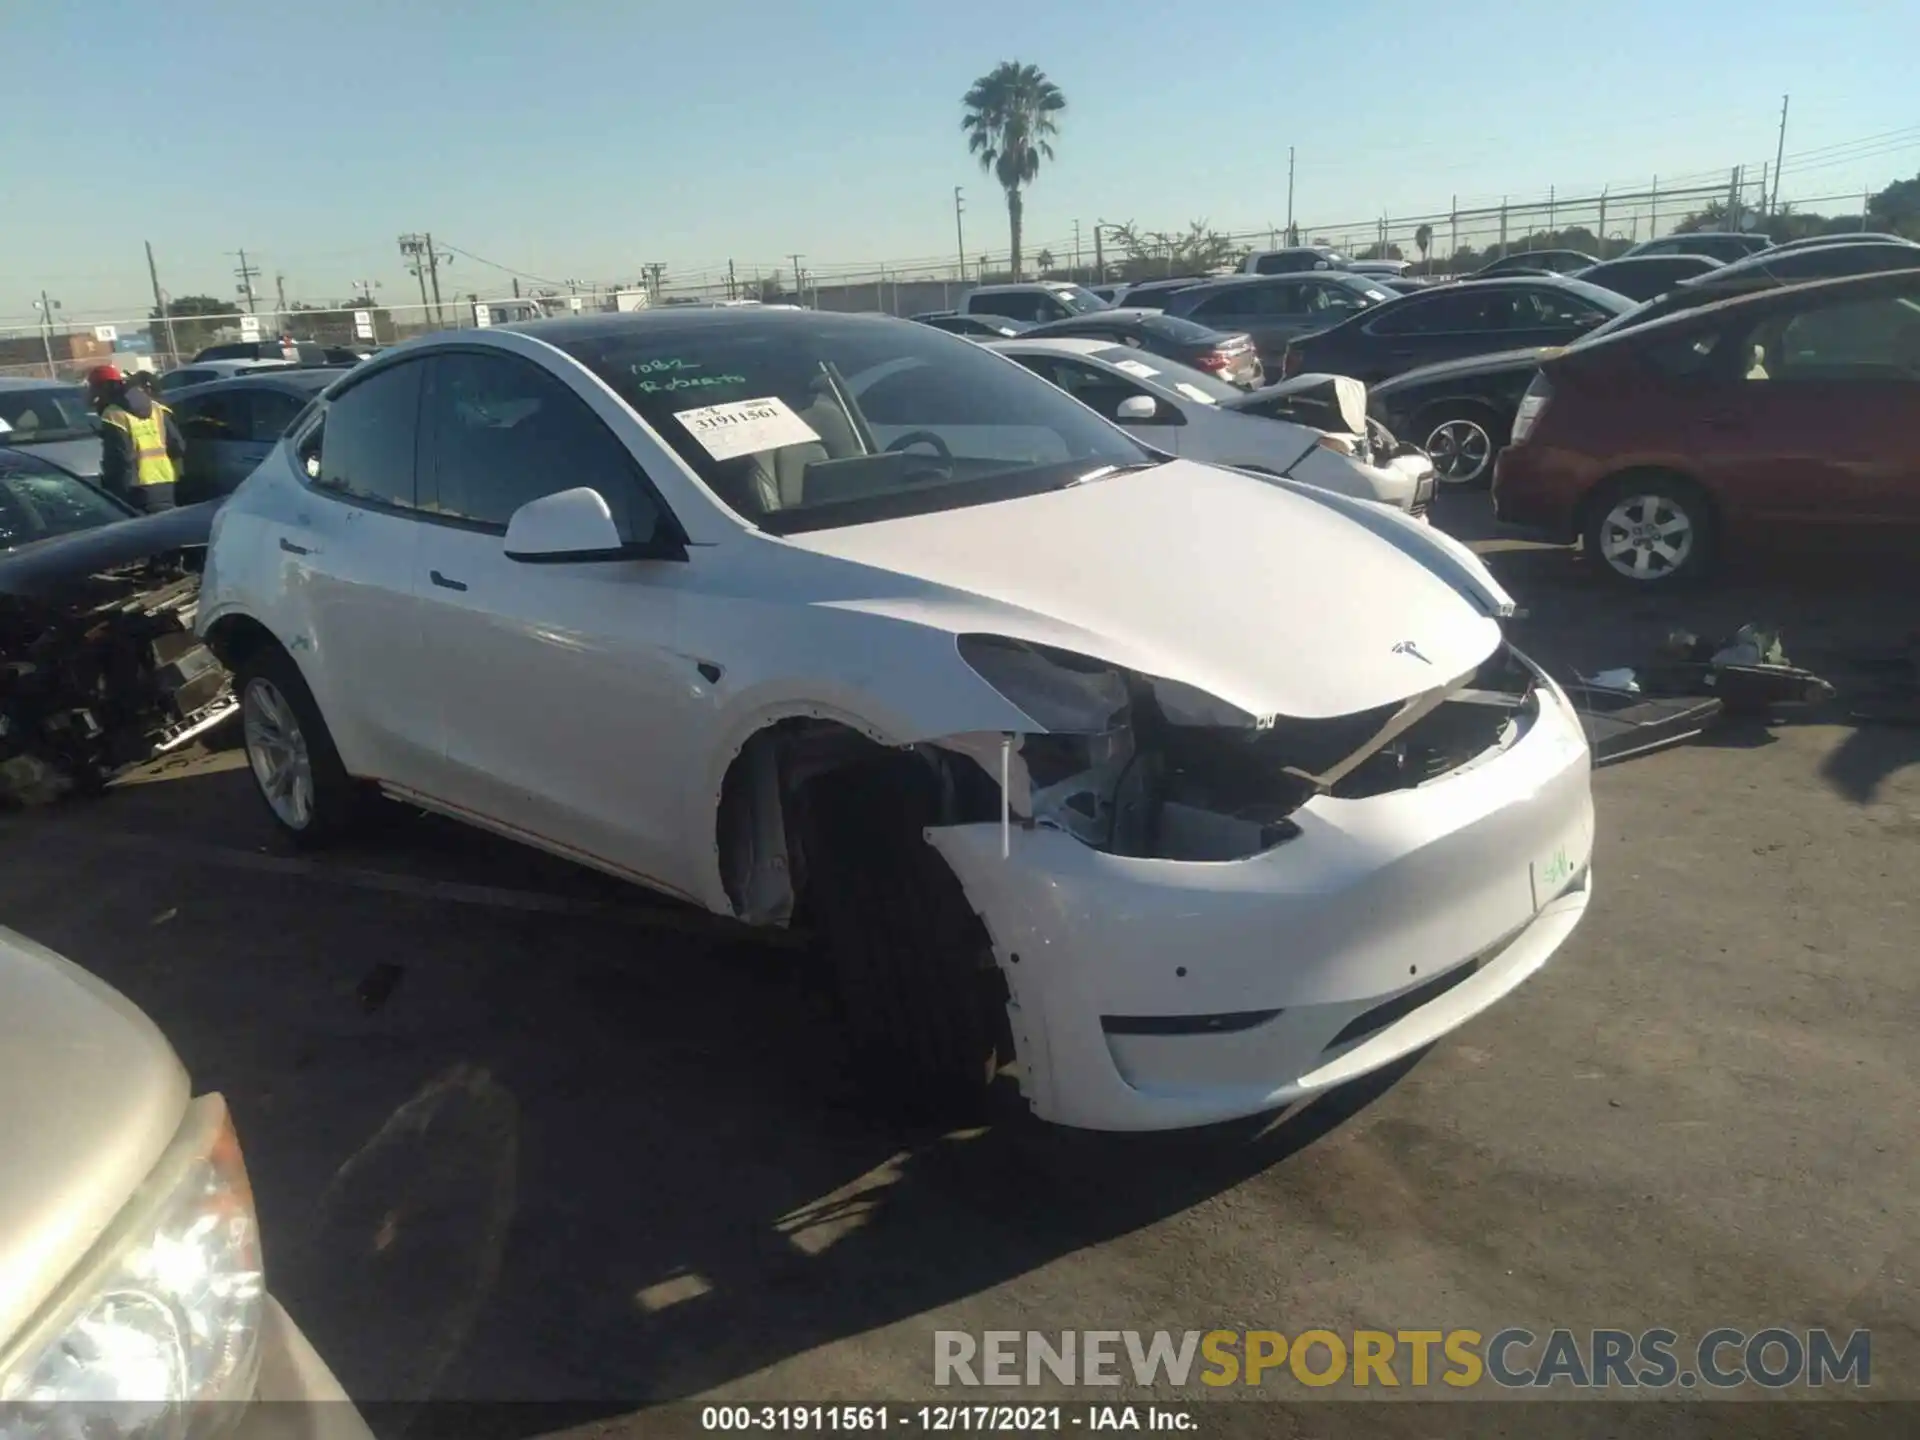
(1139, 987)
(296, 1397)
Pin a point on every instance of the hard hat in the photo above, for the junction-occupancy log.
(105, 375)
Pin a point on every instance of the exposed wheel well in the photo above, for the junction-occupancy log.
(759, 841)
(233, 638)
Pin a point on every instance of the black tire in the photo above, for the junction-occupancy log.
(1657, 502)
(921, 998)
(337, 800)
(1470, 430)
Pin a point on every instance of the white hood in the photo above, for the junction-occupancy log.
(1255, 592)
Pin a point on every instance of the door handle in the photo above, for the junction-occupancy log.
(446, 582)
(293, 549)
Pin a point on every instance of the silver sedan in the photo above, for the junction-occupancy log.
(1185, 412)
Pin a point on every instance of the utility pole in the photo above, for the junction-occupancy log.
(654, 271)
(732, 284)
(1076, 249)
(1733, 198)
(160, 305)
(959, 231)
(247, 275)
(433, 271)
(799, 280)
(46, 308)
(280, 289)
(1779, 154)
(413, 247)
(1653, 210)
(1291, 238)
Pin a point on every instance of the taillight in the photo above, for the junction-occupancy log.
(1533, 405)
(1215, 360)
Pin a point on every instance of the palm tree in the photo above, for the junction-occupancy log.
(1045, 261)
(1009, 122)
(1423, 237)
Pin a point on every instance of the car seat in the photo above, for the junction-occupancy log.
(777, 479)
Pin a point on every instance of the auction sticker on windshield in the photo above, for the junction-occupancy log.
(1134, 367)
(745, 427)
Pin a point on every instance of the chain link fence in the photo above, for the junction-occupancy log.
(1453, 241)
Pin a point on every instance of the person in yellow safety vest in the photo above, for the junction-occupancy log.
(141, 449)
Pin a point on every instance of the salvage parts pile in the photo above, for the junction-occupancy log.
(101, 672)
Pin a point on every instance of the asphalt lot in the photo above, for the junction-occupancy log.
(585, 1148)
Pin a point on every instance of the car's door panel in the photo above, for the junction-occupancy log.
(348, 556)
(565, 704)
(1814, 425)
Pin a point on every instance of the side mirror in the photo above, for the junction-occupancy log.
(572, 525)
(1137, 407)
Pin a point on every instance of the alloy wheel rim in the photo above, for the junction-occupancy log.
(1647, 537)
(1460, 450)
(277, 751)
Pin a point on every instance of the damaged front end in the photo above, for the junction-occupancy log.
(100, 670)
(1148, 767)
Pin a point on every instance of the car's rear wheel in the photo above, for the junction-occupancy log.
(921, 997)
(1651, 529)
(290, 752)
(1462, 441)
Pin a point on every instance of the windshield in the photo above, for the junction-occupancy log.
(1077, 298)
(52, 413)
(1170, 375)
(805, 421)
(38, 502)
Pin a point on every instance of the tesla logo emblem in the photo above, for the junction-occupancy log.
(1407, 647)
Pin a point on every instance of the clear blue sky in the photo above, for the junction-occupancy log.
(583, 139)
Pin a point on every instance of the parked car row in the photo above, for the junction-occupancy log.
(1462, 411)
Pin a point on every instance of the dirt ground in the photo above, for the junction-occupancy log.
(518, 1131)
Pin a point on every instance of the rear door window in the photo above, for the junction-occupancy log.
(1552, 310)
(222, 416)
(1862, 340)
(1455, 312)
(273, 412)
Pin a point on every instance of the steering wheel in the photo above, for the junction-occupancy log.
(925, 437)
(922, 437)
